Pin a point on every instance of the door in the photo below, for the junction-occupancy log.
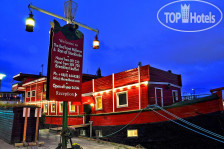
(88, 111)
(159, 96)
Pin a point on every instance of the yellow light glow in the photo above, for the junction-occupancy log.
(92, 105)
(96, 43)
(2, 76)
(30, 21)
(146, 83)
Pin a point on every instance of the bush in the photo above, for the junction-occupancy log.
(42, 120)
(8, 105)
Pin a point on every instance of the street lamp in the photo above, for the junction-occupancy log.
(70, 8)
(1, 77)
(96, 43)
(30, 22)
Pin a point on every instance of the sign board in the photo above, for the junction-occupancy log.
(65, 64)
(36, 111)
(24, 112)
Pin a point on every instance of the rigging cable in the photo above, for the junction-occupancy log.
(186, 126)
(191, 124)
(125, 125)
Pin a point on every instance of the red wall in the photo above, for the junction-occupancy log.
(129, 77)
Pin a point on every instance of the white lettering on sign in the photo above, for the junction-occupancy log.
(65, 94)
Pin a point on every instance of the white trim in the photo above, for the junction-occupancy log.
(70, 105)
(117, 96)
(161, 95)
(113, 89)
(164, 83)
(96, 103)
(87, 94)
(44, 108)
(35, 81)
(60, 107)
(93, 85)
(30, 94)
(36, 93)
(176, 96)
(16, 75)
(139, 89)
(54, 108)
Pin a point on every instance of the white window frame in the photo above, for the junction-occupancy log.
(82, 132)
(32, 93)
(100, 132)
(54, 108)
(132, 136)
(176, 96)
(161, 95)
(60, 107)
(96, 101)
(27, 94)
(117, 95)
(45, 110)
(70, 107)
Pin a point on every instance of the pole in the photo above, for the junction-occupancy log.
(25, 125)
(62, 18)
(65, 123)
(37, 124)
(90, 128)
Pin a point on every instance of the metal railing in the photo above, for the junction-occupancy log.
(192, 97)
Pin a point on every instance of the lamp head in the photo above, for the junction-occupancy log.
(96, 43)
(30, 22)
(2, 76)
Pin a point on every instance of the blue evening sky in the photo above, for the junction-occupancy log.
(129, 33)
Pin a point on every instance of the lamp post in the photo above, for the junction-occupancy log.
(1, 77)
(30, 22)
(70, 9)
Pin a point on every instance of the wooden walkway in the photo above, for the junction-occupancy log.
(72, 126)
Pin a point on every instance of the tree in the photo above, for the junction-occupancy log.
(98, 73)
(140, 64)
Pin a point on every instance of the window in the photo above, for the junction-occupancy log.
(122, 99)
(45, 88)
(82, 132)
(132, 133)
(99, 133)
(175, 95)
(45, 108)
(99, 104)
(60, 107)
(33, 93)
(52, 107)
(28, 94)
(71, 107)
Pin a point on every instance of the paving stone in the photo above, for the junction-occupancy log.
(52, 139)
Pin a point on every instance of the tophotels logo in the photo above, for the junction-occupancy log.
(189, 15)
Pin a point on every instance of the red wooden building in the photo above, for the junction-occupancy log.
(124, 91)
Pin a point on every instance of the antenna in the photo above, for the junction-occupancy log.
(42, 68)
